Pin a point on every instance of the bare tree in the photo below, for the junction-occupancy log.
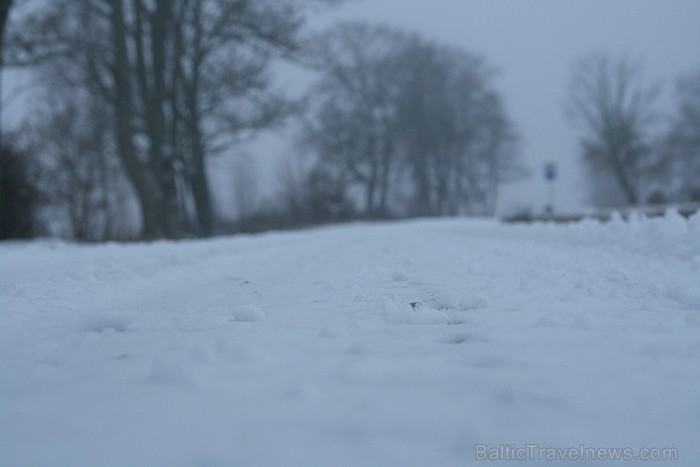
(353, 124)
(458, 142)
(223, 51)
(100, 46)
(610, 102)
(684, 139)
(78, 168)
(182, 80)
(408, 119)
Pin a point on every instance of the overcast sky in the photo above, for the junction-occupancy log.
(533, 43)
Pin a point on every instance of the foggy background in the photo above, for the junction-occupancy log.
(532, 47)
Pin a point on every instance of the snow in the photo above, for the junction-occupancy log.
(303, 348)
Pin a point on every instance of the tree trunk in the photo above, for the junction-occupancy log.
(199, 183)
(197, 175)
(162, 159)
(4, 14)
(124, 131)
(385, 177)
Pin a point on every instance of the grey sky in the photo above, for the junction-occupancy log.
(533, 43)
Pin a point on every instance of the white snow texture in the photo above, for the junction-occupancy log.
(402, 344)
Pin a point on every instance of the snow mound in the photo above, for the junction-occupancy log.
(248, 313)
(107, 322)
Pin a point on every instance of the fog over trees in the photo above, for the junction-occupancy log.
(634, 157)
(683, 140)
(133, 98)
(615, 108)
(417, 126)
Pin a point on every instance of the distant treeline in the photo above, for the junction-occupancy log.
(134, 98)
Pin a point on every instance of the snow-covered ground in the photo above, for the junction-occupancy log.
(303, 348)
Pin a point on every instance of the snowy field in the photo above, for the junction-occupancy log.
(303, 348)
